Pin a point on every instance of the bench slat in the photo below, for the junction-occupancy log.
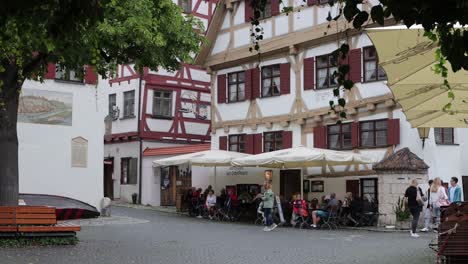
(49, 228)
(36, 216)
(36, 221)
(8, 228)
(10, 221)
(7, 209)
(35, 209)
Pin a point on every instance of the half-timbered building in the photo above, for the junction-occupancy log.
(280, 99)
(150, 113)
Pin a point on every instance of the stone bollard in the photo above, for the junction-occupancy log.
(106, 206)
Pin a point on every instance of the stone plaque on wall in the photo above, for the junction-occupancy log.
(79, 152)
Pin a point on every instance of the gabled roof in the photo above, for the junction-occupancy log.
(402, 160)
(176, 150)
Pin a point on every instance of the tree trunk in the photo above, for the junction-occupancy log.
(9, 176)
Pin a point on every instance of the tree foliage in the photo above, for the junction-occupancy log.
(72, 33)
(443, 22)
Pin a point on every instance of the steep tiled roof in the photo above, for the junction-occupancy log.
(402, 160)
(176, 150)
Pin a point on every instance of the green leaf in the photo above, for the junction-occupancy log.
(336, 92)
(342, 102)
(451, 95)
(343, 115)
(360, 19)
(331, 103)
(348, 84)
(350, 11)
(377, 14)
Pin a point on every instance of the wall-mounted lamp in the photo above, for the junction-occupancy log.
(423, 134)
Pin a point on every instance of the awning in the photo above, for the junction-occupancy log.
(408, 58)
(299, 157)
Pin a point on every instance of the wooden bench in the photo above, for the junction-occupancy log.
(33, 221)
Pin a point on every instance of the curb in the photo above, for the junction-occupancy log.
(145, 207)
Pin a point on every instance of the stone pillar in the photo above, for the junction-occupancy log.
(392, 185)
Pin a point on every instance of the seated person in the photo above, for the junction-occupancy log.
(221, 199)
(325, 211)
(233, 197)
(314, 204)
(347, 203)
(245, 197)
(211, 203)
(299, 206)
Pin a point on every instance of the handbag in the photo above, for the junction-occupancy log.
(419, 200)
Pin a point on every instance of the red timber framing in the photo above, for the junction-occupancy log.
(211, 5)
(181, 81)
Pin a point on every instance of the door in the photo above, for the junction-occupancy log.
(108, 181)
(465, 187)
(168, 186)
(290, 183)
(352, 186)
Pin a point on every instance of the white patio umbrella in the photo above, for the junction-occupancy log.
(207, 158)
(299, 157)
(408, 57)
(302, 157)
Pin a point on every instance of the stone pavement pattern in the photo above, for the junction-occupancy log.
(167, 238)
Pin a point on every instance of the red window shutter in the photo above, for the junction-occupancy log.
(311, 2)
(344, 61)
(285, 76)
(309, 73)
(255, 83)
(223, 143)
(287, 139)
(355, 134)
(355, 65)
(50, 74)
(393, 132)
(248, 11)
(258, 143)
(249, 144)
(275, 7)
(222, 89)
(320, 137)
(90, 75)
(248, 84)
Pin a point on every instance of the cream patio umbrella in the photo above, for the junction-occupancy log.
(207, 158)
(407, 58)
(300, 157)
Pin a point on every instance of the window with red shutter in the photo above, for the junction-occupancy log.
(223, 143)
(221, 89)
(90, 75)
(355, 134)
(275, 7)
(372, 70)
(355, 65)
(285, 78)
(255, 83)
(236, 87)
(320, 137)
(271, 80)
(309, 73)
(287, 139)
(248, 84)
(377, 133)
(258, 143)
(248, 11)
(239, 143)
(50, 71)
(272, 141)
(393, 137)
(311, 2)
(249, 144)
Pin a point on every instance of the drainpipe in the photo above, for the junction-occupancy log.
(140, 161)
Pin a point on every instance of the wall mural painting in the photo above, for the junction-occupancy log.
(45, 107)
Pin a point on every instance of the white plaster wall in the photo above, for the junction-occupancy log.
(45, 150)
(105, 89)
(221, 43)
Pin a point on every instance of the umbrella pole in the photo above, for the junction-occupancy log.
(302, 183)
(214, 178)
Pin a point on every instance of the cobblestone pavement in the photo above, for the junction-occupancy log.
(168, 238)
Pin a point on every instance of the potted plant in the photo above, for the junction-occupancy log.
(402, 214)
(134, 198)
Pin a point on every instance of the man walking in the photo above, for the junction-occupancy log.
(428, 214)
(454, 191)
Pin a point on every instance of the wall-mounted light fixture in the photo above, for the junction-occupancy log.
(423, 134)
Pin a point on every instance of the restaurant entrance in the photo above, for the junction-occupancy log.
(290, 183)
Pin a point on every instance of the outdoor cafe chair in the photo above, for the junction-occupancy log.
(331, 220)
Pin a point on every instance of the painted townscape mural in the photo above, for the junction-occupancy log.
(45, 107)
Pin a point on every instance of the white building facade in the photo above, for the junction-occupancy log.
(282, 100)
(156, 110)
(60, 130)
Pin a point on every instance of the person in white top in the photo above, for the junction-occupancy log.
(438, 198)
(211, 203)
